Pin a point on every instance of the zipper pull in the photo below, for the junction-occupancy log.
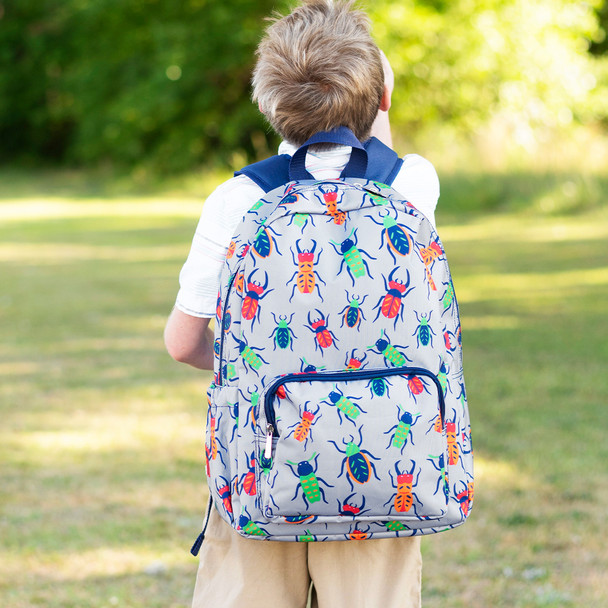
(268, 444)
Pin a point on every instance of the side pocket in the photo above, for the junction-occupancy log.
(221, 447)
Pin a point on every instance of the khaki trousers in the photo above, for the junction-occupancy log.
(237, 572)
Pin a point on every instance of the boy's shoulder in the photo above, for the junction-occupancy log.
(419, 163)
(414, 175)
(383, 164)
(234, 189)
(418, 170)
(231, 200)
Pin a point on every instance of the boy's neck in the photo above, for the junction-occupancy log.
(288, 148)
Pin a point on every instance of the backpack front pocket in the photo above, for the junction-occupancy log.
(366, 444)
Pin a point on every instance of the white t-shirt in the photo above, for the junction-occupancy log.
(199, 278)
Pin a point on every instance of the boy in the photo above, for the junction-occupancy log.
(318, 68)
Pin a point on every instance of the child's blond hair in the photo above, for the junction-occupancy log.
(318, 68)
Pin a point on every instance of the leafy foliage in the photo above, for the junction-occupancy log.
(462, 63)
(128, 79)
(167, 83)
(599, 42)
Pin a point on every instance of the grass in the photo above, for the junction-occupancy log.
(532, 292)
(102, 482)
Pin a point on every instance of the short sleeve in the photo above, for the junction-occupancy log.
(199, 278)
(418, 182)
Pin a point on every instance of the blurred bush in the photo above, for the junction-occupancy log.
(460, 63)
(85, 81)
(167, 84)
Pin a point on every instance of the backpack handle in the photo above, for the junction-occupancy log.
(356, 166)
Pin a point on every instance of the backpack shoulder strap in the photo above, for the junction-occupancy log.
(383, 163)
(383, 166)
(268, 174)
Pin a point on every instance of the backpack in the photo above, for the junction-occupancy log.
(338, 407)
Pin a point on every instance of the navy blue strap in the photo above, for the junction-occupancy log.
(270, 173)
(356, 166)
(196, 547)
(383, 165)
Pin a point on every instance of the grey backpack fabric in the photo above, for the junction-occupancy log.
(338, 408)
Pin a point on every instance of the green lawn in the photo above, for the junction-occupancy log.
(102, 482)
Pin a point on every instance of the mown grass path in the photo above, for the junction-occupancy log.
(102, 482)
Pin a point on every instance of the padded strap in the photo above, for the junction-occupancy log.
(383, 163)
(270, 173)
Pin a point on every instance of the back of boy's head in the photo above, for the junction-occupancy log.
(318, 68)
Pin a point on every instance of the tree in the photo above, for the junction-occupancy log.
(599, 41)
(462, 62)
(127, 80)
(168, 83)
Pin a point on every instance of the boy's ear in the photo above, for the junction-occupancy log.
(385, 102)
(260, 108)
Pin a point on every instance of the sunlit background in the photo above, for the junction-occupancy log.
(166, 85)
(118, 117)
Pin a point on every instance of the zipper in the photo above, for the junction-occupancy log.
(343, 375)
(220, 374)
(268, 442)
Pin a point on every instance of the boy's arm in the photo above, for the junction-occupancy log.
(189, 339)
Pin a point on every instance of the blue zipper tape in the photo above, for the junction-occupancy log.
(367, 374)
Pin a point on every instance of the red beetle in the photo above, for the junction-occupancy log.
(391, 305)
(254, 293)
(249, 486)
(323, 337)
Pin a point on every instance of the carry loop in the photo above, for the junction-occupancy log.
(356, 166)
